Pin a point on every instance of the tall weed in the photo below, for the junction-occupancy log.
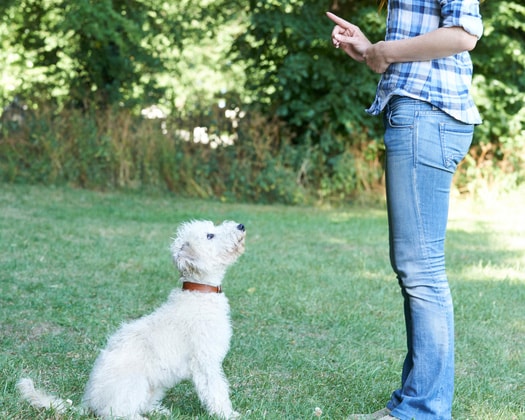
(250, 157)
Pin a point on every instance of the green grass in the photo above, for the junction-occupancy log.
(316, 309)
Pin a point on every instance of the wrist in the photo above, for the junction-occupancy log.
(382, 51)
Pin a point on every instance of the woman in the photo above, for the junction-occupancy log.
(429, 118)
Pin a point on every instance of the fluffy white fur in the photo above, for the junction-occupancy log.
(186, 338)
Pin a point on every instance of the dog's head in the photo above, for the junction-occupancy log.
(202, 249)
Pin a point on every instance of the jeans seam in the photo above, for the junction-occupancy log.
(415, 137)
(420, 224)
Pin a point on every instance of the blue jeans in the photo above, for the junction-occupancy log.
(423, 147)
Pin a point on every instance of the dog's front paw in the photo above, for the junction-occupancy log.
(234, 415)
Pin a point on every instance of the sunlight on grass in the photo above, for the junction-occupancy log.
(316, 309)
(501, 224)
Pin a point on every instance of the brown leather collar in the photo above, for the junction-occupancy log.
(203, 288)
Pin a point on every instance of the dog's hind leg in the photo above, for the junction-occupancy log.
(121, 396)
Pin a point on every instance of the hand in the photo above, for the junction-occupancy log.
(349, 38)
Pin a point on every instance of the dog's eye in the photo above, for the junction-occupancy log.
(210, 236)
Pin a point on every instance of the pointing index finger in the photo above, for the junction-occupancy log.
(338, 21)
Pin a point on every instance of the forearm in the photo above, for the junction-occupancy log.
(442, 42)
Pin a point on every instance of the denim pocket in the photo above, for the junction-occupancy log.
(400, 120)
(398, 114)
(456, 138)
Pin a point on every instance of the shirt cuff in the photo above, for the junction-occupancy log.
(472, 25)
(464, 14)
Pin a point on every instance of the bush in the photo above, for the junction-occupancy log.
(116, 149)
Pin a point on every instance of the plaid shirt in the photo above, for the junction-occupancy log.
(443, 82)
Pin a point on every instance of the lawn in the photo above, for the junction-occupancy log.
(316, 310)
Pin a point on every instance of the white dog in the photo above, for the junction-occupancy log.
(186, 338)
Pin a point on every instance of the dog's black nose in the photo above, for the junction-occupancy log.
(241, 227)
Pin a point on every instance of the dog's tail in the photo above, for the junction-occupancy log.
(40, 399)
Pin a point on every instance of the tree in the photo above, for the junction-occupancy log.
(101, 53)
(499, 83)
(295, 73)
(270, 58)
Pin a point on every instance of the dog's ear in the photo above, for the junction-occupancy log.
(184, 258)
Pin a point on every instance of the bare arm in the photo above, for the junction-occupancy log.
(442, 42)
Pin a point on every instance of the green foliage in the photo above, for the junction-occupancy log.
(295, 73)
(322, 94)
(113, 148)
(499, 84)
(101, 53)
(243, 157)
(91, 52)
(269, 58)
(297, 76)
